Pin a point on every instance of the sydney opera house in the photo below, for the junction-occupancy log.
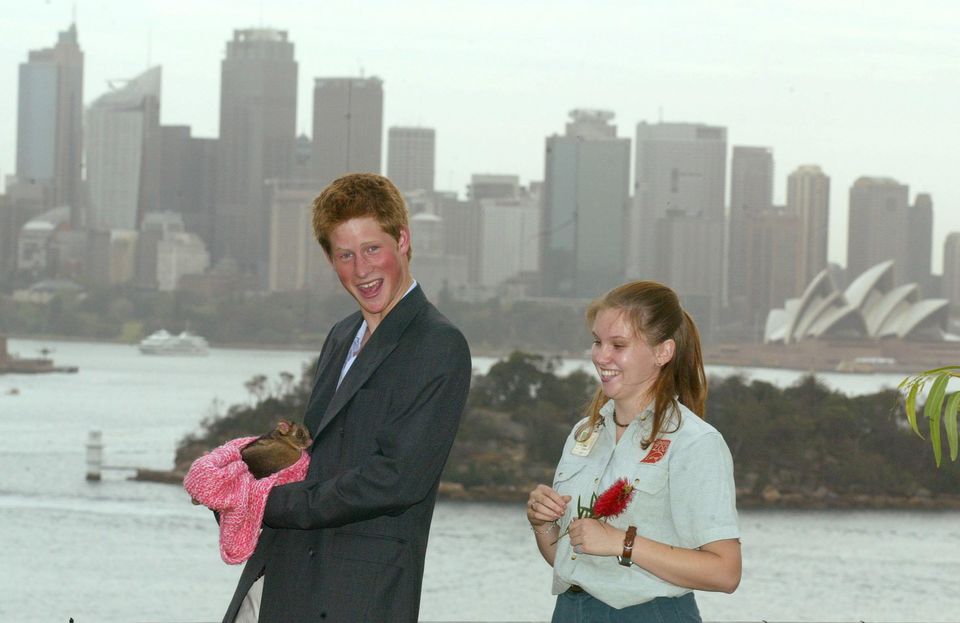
(872, 307)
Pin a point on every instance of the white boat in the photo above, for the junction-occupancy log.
(868, 365)
(165, 343)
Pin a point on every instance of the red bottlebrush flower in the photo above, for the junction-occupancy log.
(614, 500)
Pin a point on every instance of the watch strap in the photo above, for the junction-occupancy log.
(625, 558)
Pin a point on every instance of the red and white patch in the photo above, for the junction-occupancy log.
(657, 450)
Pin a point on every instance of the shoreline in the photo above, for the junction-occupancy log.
(264, 346)
(805, 358)
(767, 500)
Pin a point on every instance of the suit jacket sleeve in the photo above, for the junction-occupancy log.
(412, 447)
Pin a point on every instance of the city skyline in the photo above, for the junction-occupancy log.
(856, 94)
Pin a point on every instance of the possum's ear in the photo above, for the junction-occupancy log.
(283, 426)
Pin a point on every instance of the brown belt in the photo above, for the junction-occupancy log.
(575, 589)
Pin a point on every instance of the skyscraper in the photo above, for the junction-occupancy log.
(50, 121)
(297, 262)
(751, 195)
(586, 188)
(509, 228)
(951, 268)
(676, 229)
(411, 155)
(258, 114)
(883, 226)
(919, 243)
(347, 127)
(187, 179)
(808, 197)
(751, 178)
(769, 241)
(123, 128)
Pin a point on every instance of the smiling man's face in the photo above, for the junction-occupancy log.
(371, 265)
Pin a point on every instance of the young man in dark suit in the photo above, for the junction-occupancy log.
(348, 543)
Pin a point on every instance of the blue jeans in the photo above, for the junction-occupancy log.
(584, 608)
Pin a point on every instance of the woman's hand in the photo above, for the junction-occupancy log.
(545, 506)
(589, 536)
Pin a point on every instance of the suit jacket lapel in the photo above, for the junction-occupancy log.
(328, 372)
(377, 348)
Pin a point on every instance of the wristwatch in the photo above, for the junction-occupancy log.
(624, 558)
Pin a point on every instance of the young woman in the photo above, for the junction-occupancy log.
(644, 428)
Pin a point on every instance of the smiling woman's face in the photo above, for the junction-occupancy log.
(627, 365)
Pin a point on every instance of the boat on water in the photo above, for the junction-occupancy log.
(11, 364)
(868, 365)
(165, 343)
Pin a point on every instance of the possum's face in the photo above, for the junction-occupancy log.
(293, 433)
(301, 436)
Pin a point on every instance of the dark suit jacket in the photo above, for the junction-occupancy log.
(348, 543)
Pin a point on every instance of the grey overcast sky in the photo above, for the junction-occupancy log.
(860, 88)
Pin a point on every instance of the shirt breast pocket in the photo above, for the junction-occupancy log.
(650, 479)
(566, 477)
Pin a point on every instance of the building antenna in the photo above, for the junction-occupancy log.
(149, 46)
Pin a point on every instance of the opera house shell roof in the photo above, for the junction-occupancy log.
(872, 307)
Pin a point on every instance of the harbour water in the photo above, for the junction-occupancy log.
(122, 551)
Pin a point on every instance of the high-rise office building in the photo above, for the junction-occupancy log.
(411, 156)
(586, 188)
(884, 226)
(509, 237)
(951, 268)
(187, 177)
(123, 127)
(808, 197)
(751, 194)
(751, 178)
(493, 186)
(679, 206)
(347, 127)
(770, 239)
(436, 271)
(258, 118)
(461, 228)
(50, 122)
(178, 255)
(154, 228)
(918, 252)
(8, 236)
(297, 261)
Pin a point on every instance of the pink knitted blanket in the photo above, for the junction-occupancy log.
(221, 481)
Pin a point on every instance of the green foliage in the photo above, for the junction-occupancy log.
(807, 437)
(285, 397)
(800, 440)
(934, 409)
(517, 418)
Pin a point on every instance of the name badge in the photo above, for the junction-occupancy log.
(585, 441)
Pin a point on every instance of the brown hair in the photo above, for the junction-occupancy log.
(359, 195)
(654, 312)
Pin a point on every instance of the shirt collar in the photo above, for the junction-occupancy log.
(358, 338)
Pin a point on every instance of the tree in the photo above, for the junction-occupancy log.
(938, 407)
